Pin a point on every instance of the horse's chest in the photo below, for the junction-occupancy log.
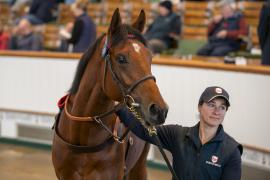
(102, 170)
(102, 165)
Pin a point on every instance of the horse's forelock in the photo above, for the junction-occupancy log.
(123, 32)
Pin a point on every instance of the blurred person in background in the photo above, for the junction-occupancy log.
(4, 37)
(83, 32)
(24, 38)
(264, 33)
(163, 33)
(225, 31)
(41, 11)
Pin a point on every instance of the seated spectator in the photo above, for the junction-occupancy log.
(4, 37)
(84, 29)
(264, 33)
(41, 11)
(165, 29)
(24, 38)
(224, 31)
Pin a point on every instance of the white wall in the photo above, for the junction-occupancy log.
(37, 84)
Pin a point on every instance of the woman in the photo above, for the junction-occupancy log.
(201, 152)
(84, 29)
(264, 33)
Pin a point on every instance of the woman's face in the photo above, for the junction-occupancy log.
(213, 112)
(163, 11)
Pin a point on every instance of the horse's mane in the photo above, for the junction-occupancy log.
(118, 37)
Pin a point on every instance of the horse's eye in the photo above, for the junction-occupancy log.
(121, 59)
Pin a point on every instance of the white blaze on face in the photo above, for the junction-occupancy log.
(136, 47)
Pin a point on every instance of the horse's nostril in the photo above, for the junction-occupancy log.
(157, 114)
(154, 109)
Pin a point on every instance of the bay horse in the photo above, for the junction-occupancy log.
(116, 68)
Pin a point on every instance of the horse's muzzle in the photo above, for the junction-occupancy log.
(157, 114)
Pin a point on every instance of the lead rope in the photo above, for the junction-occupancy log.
(152, 132)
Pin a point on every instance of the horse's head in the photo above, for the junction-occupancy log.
(127, 69)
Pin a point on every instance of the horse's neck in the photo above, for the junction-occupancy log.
(88, 101)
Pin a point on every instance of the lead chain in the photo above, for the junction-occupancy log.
(151, 130)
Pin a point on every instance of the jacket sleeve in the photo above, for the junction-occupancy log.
(232, 170)
(166, 133)
(263, 27)
(76, 32)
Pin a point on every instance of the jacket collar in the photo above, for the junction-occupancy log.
(193, 134)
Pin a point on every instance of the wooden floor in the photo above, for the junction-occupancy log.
(23, 163)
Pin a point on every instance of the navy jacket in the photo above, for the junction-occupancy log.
(235, 27)
(264, 33)
(83, 33)
(218, 159)
(43, 9)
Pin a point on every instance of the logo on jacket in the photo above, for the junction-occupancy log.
(213, 162)
(214, 159)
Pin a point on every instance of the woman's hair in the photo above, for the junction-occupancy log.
(81, 4)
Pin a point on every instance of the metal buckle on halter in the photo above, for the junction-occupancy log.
(117, 139)
(130, 102)
(97, 119)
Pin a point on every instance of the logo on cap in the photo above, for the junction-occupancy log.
(214, 159)
(218, 90)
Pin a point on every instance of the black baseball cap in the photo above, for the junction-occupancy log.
(213, 92)
(167, 4)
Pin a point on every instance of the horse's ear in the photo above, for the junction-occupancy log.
(115, 23)
(140, 22)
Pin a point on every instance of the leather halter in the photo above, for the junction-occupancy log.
(126, 95)
(125, 91)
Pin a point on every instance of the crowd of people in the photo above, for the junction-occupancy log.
(78, 34)
(225, 31)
